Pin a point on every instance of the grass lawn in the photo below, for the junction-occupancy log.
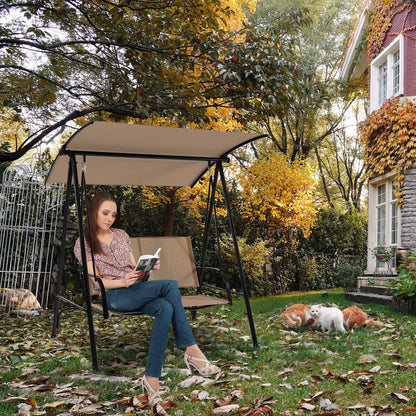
(366, 371)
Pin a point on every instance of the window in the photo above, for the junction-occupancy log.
(394, 209)
(386, 232)
(382, 83)
(387, 210)
(396, 72)
(381, 215)
(387, 74)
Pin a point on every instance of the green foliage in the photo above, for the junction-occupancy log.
(78, 61)
(308, 274)
(254, 256)
(338, 243)
(404, 285)
(318, 52)
(346, 275)
(339, 232)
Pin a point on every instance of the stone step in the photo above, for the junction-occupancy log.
(378, 290)
(360, 297)
(374, 280)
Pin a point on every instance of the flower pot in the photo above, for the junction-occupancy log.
(404, 305)
(383, 257)
(400, 252)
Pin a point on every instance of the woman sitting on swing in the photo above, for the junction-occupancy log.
(115, 264)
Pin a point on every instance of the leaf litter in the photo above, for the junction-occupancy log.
(26, 348)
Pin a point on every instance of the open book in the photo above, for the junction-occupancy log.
(146, 263)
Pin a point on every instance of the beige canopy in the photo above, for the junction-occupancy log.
(130, 154)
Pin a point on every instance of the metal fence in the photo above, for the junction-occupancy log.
(29, 247)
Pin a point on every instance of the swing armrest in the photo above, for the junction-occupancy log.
(226, 288)
(101, 290)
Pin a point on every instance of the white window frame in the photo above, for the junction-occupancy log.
(394, 217)
(381, 220)
(391, 222)
(387, 56)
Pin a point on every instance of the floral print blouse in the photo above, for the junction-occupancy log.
(115, 263)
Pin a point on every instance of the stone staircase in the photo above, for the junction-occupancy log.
(371, 289)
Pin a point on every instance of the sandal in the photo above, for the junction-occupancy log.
(205, 370)
(153, 396)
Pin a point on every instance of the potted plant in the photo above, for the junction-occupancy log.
(383, 253)
(403, 287)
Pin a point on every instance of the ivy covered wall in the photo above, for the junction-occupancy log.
(389, 133)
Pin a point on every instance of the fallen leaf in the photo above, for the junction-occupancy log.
(316, 379)
(223, 410)
(326, 404)
(307, 406)
(400, 397)
(367, 358)
(223, 401)
(369, 387)
(394, 355)
(198, 395)
(24, 409)
(54, 405)
(37, 380)
(285, 372)
(191, 381)
(356, 407)
(317, 394)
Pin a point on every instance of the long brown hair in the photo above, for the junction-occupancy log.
(93, 207)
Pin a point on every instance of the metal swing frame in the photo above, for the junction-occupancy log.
(73, 181)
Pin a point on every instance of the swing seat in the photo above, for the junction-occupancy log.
(176, 263)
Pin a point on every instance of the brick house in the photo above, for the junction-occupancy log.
(382, 54)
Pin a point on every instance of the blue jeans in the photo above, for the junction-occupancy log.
(162, 300)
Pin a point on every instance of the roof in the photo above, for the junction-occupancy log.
(131, 154)
(353, 66)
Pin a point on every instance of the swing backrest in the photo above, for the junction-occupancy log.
(176, 258)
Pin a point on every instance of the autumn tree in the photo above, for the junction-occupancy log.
(318, 49)
(340, 160)
(12, 132)
(137, 60)
(278, 201)
(192, 200)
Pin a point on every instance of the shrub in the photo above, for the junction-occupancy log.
(346, 275)
(254, 257)
(404, 286)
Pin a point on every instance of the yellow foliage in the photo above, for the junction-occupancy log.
(254, 256)
(11, 131)
(279, 193)
(239, 15)
(380, 23)
(193, 199)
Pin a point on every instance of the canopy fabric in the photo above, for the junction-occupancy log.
(130, 154)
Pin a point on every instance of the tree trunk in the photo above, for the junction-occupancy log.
(170, 212)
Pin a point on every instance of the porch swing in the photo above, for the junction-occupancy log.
(152, 156)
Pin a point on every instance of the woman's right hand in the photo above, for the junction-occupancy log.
(130, 279)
